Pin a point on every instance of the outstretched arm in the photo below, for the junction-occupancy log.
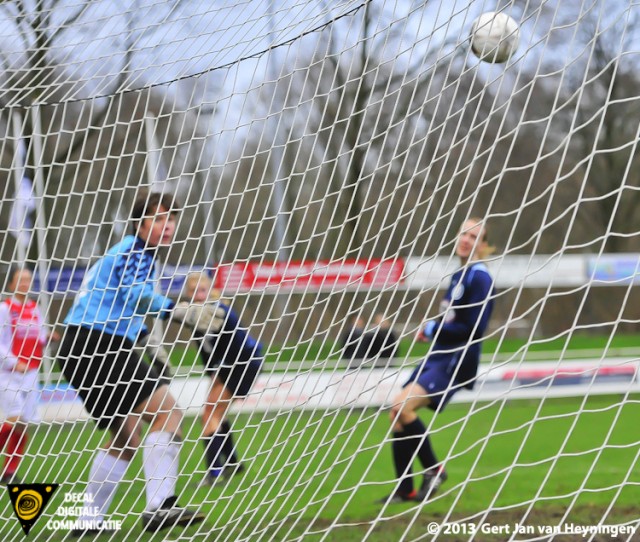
(204, 319)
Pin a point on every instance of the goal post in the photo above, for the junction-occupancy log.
(325, 156)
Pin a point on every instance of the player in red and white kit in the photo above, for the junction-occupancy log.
(22, 340)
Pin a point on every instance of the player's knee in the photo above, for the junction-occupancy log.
(20, 425)
(406, 415)
(161, 403)
(393, 414)
(122, 448)
(400, 410)
(211, 425)
(175, 420)
(125, 453)
(167, 420)
(15, 422)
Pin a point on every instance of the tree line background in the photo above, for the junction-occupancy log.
(372, 136)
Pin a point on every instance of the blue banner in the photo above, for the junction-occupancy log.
(68, 280)
(614, 268)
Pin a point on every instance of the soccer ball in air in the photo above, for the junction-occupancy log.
(494, 37)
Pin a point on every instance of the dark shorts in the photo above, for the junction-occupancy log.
(437, 376)
(238, 378)
(109, 377)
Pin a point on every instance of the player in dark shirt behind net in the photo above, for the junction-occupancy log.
(452, 364)
(233, 360)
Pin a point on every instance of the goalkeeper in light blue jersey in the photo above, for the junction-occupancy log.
(97, 357)
(118, 292)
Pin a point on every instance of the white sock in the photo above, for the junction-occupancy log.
(106, 472)
(160, 463)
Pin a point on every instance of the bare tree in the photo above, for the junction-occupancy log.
(361, 139)
(92, 126)
(605, 156)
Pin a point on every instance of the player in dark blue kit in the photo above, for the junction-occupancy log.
(451, 365)
(233, 360)
(97, 357)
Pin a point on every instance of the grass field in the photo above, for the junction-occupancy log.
(318, 470)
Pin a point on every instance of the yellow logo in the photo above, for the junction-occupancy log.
(29, 501)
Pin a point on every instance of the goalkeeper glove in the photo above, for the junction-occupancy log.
(204, 319)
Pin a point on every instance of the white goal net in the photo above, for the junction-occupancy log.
(325, 156)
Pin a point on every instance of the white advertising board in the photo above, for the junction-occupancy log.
(376, 387)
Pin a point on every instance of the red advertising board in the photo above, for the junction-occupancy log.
(309, 276)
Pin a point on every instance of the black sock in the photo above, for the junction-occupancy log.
(403, 449)
(425, 453)
(228, 448)
(212, 450)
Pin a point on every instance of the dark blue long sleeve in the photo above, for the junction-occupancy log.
(465, 312)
